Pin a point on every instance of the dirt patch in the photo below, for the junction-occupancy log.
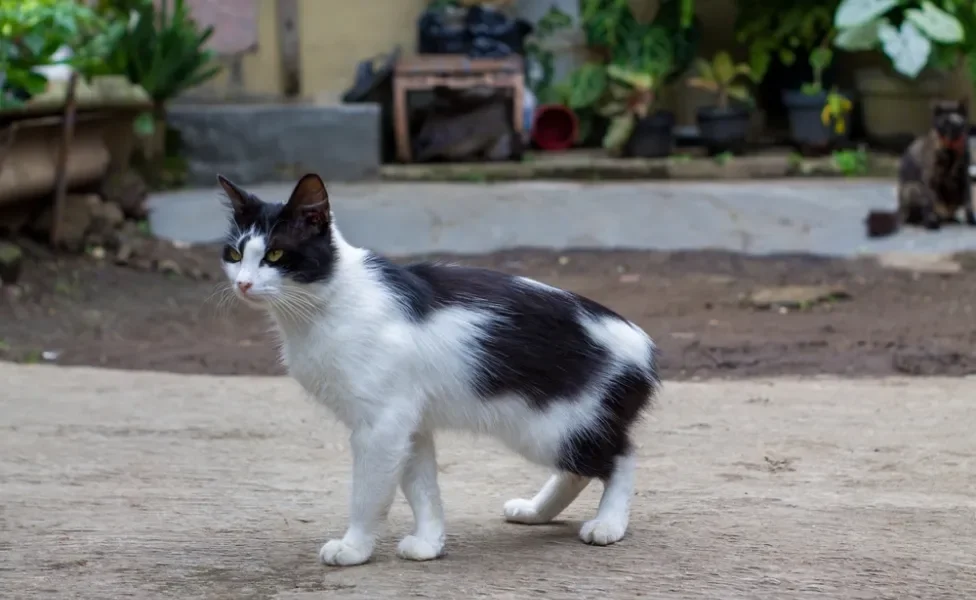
(79, 311)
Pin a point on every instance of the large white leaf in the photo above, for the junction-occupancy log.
(862, 37)
(854, 13)
(937, 24)
(907, 48)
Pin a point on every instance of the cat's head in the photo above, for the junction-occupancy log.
(273, 251)
(950, 118)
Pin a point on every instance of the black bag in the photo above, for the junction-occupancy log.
(438, 36)
(483, 33)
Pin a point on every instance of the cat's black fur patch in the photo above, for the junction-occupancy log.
(592, 453)
(309, 253)
(538, 349)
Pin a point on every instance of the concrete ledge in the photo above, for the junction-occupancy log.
(592, 165)
(278, 142)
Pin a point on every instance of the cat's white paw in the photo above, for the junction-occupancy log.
(416, 548)
(602, 532)
(339, 553)
(522, 511)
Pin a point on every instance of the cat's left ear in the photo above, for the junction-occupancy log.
(239, 199)
(310, 201)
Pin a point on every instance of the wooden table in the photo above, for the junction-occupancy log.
(428, 71)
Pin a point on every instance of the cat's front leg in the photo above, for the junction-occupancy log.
(419, 483)
(379, 453)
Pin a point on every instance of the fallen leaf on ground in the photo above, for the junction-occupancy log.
(796, 296)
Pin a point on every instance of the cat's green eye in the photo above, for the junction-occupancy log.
(233, 255)
(273, 256)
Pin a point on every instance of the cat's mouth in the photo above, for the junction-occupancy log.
(253, 297)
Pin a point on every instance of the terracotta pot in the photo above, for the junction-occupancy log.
(555, 127)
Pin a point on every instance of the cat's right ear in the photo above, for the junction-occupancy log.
(238, 198)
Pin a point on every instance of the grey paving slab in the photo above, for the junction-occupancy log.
(808, 216)
(278, 142)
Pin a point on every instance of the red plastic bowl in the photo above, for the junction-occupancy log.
(554, 127)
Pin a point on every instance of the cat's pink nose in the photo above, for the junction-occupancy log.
(244, 286)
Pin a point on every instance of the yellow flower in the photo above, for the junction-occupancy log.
(825, 114)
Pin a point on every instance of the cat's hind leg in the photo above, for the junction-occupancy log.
(419, 484)
(613, 516)
(557, 494)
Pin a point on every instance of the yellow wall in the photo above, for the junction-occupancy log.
(337, 34)
(261, 69)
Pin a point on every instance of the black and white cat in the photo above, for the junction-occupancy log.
(399, 352)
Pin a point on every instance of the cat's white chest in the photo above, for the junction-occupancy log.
(333, 367)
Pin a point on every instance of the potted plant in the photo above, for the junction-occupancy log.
(165, 52)
(783, 30)
(921, 41)
(725, 126)
(578, 94)
(817, 116)
(42, 36)
(633, 130)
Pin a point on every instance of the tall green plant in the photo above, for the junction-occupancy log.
(783, 29)
(165, 50)
(630, 98)
(664, 45)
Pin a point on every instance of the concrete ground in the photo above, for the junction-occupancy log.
(760, 217)
(151, 485)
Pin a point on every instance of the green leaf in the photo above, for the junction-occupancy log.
(619, 132)
(759, 61)
(907, 48)
(586, 85)
(936, 24)
(709, 85)
(723, 67)
(862, 37)
(34, 43)
(144, 125)
(820, 58)
(811, 89)
(612, 109)
(739, 92)
(704, 69)
(28, 81)
(855, 13)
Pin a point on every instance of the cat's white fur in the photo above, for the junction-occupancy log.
(394, 382)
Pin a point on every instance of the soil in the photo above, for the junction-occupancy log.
(873, 321)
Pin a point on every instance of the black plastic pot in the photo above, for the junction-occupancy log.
(807, 130)
(653, 136)
(593, 127)
(723, 130)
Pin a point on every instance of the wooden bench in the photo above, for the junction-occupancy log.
(429, 71)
